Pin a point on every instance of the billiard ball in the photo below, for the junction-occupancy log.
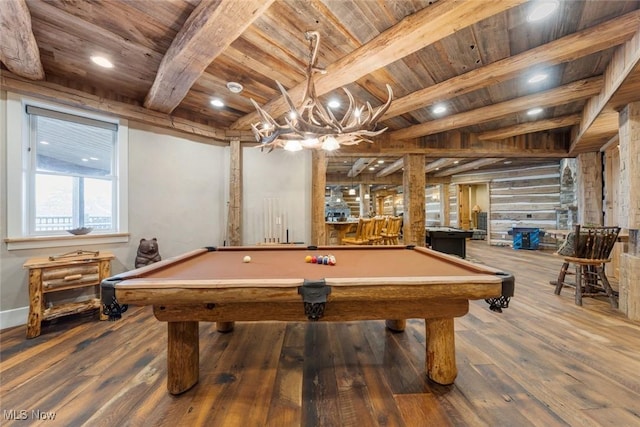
(307, 258)
(247, 258)
(314, 259)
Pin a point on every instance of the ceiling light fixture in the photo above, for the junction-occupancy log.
(534, 111)
(217, 102)
(538, 78)
(234, 87)
(311, 120)
(439, 109)
(102, 61)
(542, 9)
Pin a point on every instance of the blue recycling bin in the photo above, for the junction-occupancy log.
(525, 238)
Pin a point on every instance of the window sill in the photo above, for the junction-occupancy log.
(43, 242)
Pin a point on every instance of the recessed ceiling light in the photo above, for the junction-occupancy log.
(102, 61)
(85, 160)
(456, 162)
(542, 9)
(93, 158)
(235, 87)
(538, 78)
(372, 168)
(507, 162)
(534, 111)
(380, 162)
(439, 109)
(44, 142)
(334, 103)
(217, 102)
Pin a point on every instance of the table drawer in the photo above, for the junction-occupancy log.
(57, 278)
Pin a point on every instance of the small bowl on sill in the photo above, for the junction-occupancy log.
(80, 231)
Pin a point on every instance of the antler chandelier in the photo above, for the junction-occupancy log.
(311, 125)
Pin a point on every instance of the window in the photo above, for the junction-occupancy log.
(71, 172)
(66, 169)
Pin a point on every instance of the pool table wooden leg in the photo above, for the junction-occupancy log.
(182, 356)
(396, 325)
(225, 326)
(441, 354)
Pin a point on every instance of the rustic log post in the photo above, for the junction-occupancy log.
(413, 182)
(589, 188)
(182, 356)
(629, 132)
(234, 217)
(318, 184)
(441, 355)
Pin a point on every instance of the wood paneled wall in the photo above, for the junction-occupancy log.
(525, 197)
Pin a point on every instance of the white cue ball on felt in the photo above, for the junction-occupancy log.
(247, 258)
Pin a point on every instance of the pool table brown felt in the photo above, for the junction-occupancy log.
(384, 282)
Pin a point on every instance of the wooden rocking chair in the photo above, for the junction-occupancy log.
(589, 253)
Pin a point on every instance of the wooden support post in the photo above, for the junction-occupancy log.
(318, 184)
(234, 216)
(589, 188)
(629, 209)
(441, 354)
(182, 356)
(414, 182)
(445, 206)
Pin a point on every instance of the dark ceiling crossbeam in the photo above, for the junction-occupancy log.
(591, 40)
(416, 31)
(530, 127)
(18, 48)
(210, 29)
(624, 61)
(476, 164)
(571, 92)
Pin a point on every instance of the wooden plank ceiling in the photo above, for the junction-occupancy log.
(172, 57)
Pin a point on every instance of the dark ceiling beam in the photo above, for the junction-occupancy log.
(530, 127)
(464, 145)
(360, 165)
(413, 33)
(393, 167)
(477, 164)
(365, 178)
(624, 61)
(561, 95)
(18, 48)
(439, 164)
(209, 30)
(79, 99)
(568, 48)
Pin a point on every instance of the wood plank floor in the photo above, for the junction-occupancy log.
(542, 362)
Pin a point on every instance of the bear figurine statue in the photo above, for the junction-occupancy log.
(148, 252)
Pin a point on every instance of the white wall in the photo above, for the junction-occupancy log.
(284, 177)
(178, 192)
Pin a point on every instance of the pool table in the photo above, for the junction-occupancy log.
(376, 282)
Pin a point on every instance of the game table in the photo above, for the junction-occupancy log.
(375, 282)
(448, 240)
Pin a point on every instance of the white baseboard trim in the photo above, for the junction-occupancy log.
(14, 317)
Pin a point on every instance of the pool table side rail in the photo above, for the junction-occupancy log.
(178, 292)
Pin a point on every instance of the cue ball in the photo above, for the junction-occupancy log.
(247, 258)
